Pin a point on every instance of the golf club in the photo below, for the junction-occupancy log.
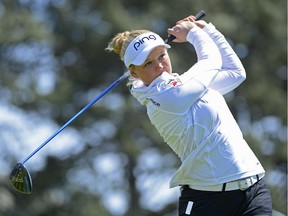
(20, 177)
(198, 16)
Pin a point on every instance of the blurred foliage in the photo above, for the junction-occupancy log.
(52, 62)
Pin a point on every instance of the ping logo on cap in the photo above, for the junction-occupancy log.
(138, 43)
(140, 47)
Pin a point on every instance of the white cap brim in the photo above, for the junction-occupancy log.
(140, 48)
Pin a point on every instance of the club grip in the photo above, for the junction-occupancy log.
(198, 16)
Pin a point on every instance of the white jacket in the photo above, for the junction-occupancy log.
(191, 115)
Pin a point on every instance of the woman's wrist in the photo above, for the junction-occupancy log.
(209, 28)
(191, 33)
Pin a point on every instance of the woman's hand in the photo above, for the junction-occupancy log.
(180, 30)
(199, 23)
(182, 27)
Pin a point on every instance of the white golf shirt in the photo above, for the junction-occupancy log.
(191, 115)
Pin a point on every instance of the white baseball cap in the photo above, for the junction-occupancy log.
(141, 46)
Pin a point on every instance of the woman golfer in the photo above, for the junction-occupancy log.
(219, 175)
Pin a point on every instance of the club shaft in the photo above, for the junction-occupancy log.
(125, 75)
(198, 16)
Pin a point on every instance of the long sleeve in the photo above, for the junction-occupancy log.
(232, 72)
(209, 60)
(191, 86)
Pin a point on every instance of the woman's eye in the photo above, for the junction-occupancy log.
(162, 56)
(147, 63)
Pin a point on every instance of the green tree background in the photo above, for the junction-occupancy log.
(111, 161)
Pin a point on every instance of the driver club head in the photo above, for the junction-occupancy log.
(21, 179)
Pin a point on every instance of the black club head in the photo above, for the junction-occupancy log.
(21, 179)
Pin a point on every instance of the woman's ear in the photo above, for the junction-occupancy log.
(132, 72)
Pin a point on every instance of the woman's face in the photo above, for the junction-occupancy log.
(156, 63)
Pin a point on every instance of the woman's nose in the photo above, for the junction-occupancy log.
(159, 65)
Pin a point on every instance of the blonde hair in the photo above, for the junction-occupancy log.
(119, 44)
(120, 41)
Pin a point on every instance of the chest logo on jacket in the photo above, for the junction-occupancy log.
(174, 82)
(154, 102)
